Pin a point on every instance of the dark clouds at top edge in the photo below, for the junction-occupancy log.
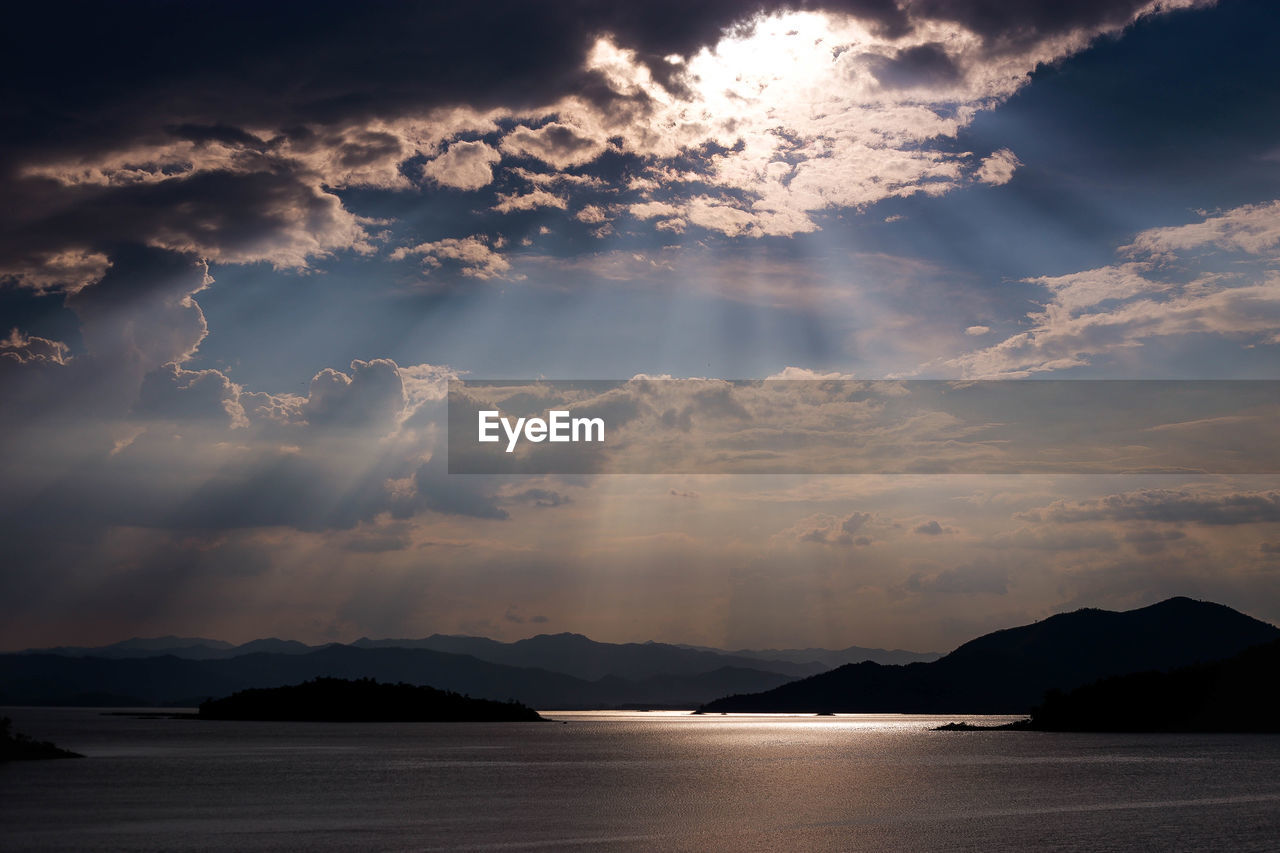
(80, 70)
(71, 64)
(1007, 24)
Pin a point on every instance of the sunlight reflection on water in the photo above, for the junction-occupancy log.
(633, 781)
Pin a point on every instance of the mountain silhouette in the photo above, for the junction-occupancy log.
(44, 679)
(570, 654)
(191, 648)
(1009, 671)
(1239, 694)
(582, 657)
(828, 658)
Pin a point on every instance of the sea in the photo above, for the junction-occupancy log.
(632, 781)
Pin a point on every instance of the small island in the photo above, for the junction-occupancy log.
(362, 700)
(15, 746)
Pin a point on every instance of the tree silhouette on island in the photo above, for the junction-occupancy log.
(361, 700)
(15, 746)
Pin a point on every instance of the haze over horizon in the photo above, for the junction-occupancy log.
(172, 641)
(237, 273)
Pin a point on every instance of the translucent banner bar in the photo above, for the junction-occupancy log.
(712, 426)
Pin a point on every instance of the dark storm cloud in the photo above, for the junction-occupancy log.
(139, 317)
(219, 214)
(1004, 24)
(215, 133)
(120, 69)
(209, 70)
(922, 65)
(277, 106)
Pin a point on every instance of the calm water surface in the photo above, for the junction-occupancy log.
(632, 781)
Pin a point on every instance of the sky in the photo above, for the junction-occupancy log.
(245, 248)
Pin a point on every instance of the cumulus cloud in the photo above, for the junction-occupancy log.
(592, 215)
(30, 349)
(998, 168)
(804, 373)
(176, 394)
(473, 256)
(931, 528)
(464, 166)
(539, 497)
(371, 394)
(825, 529)
(558, 145)
(529, 201)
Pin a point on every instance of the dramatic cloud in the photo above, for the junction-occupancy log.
(392, 196)
(766, 116)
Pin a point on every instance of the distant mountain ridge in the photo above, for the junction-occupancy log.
(1009, 671)
(582, 657)
(830, 658)
(567, 653)
(45, 679)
